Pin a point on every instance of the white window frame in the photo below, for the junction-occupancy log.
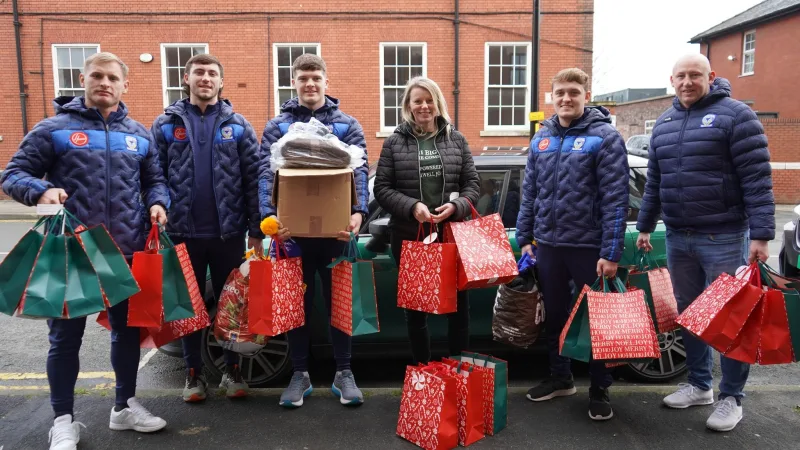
(648, 126)
(520, 128)
(751, 52)
(275, 46)
(389, 130)
(164, 46)
(54, 52)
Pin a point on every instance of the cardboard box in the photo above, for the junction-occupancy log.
(314, 202)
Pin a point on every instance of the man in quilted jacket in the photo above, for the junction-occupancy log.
(709, 176)
(209, 155)
(574, 207)
(102, 166)
(310, 80)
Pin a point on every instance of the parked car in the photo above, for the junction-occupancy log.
(789, 256)
(638, 145)
(506, 171)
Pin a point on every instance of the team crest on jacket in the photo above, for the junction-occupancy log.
(543, 144)
(79, 138)
(578, 144)
(708, 120)
(131, 142)
(179, 133)
(227, 132)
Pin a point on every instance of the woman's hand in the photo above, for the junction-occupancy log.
(445, 211)
(421, 213)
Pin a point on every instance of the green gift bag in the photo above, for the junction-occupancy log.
(576, 340)
(112, 269)
(354, 306)
(47, 285)
(495, 389)
(83, 295)
(16, 268)
(788, 286)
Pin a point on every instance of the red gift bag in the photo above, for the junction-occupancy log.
(145, 308)
(428, 409)
(485, 257)
(470, 401)
(426, 278)
(775, 342)
(718, 315)
(276, 295)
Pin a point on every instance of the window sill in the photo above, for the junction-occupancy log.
(746, 75)
(505, 133)
(383, 134)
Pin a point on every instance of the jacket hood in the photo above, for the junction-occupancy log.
(591, 114)
(77, 105)
(293, 105)
(181, 106)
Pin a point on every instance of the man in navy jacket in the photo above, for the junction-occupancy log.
(209, 155)
(102, 166)
(310, 79)
(574, 206)
(710, 178)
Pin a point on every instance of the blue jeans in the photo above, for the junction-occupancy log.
(695, 260)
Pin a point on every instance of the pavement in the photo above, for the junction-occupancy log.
(771, 420)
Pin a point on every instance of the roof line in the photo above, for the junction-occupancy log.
(660, 97)
(701, 37)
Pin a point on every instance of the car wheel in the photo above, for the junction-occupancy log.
(671, 364)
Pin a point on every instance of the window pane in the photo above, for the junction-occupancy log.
(507, 75)
(519, 116)
(490, 190)
(172, 56)
(494, 75)
(494, 116)
(389, 97)
(400, 93)
(296, 51)
(198, 51)
(184, 53)
(76, 78)
(285, 95)
(310, 50)
(285, 77)
(173, 77)
(494, 54)
(505, 116)
(283, 57)
(521, 56)
(508, 55)
(390, 116)
(416, 55)
(89, 51)
(389, 57)
(389, 76)
(519, 96)
(507, 97)
(402, 76)
(64, 78)
(416, 71)
(62, 54)
(402, 56)
(494, 96)
(519, 76)
(76, 57)
(174, 95)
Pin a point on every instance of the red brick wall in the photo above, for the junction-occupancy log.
(775, 65)
(243, 41)
(782, 135)
(631, 116)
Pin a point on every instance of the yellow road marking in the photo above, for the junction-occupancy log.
(8, 376)
(32, 220)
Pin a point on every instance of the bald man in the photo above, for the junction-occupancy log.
(709, 177)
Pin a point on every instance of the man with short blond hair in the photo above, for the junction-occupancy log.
(710, 179)
(101, 165)
(573, 210)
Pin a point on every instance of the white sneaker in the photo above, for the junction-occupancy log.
(135, 417)
(688, 395)
(726, 415)
(65, 433)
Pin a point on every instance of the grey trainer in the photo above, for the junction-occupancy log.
(298, 389)
(344, 387)
(233, 383)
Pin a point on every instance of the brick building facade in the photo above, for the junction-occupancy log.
(369, 47)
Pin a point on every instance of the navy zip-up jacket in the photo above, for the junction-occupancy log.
(575, 192)
(709, 169)
(109, 169)
(345, 127)
(205, 216)
(234, 174)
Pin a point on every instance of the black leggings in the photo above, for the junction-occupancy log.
(417, 321)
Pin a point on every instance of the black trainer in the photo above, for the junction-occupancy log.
(550, 388)
(599, 404)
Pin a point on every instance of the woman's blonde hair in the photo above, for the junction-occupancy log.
(438, 100)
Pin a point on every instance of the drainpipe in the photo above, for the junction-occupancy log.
(23, 97)
(536, 18)
(456, 91)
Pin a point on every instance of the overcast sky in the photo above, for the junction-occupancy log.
(636, 42)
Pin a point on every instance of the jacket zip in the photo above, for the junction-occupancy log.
(680, 157)
(562, 136)
(108, 171)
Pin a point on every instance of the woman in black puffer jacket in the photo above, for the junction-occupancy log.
(426, 174)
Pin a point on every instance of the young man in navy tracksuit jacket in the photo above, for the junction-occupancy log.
(309, 78)
(209, 155)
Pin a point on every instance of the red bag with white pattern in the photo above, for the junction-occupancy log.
(485, 257)
(428, 408)
(426, 278)
(276, 295)
(470, 401)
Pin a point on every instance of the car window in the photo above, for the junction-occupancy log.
(512, 199)
(638, 142)
(490, 192)
(636, 184)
